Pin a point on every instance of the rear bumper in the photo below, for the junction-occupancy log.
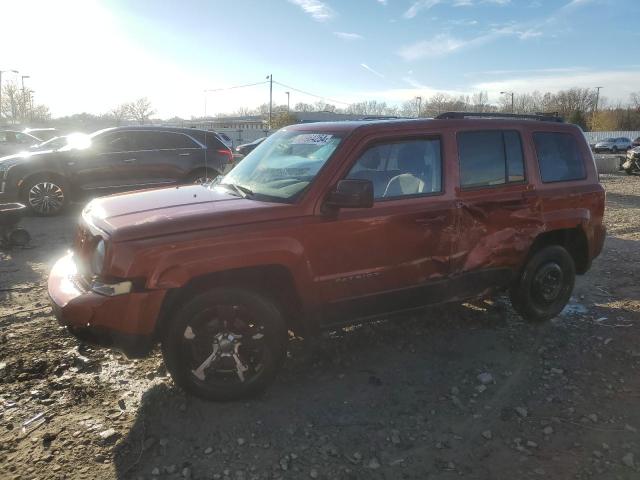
(123, 322)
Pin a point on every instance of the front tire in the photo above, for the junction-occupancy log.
(46, 196)
(545, 285)
(225, 344)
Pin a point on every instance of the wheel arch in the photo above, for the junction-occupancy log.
(574, 240)
(40, 174)
(276, 281)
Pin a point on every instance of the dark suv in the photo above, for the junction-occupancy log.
(109, 161)
(330, 224)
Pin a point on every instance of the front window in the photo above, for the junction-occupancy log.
(282, 166)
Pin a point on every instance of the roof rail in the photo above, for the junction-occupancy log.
(544, 117)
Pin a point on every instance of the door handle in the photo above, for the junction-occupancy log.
(184, 154)
(129, 160)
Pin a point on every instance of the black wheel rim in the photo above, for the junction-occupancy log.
(547, 283)
(46, 197)
(224, 347)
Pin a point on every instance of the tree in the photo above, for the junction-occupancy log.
(635, 100)
(120, 113)
(140, 110)
(14, 105)
(578, 118)
(282, 119)
(303, 107)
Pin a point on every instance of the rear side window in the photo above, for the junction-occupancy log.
(490, 158)
(559, 157)
(214, 142)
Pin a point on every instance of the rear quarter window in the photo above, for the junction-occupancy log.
(214, 142)
(559, 157)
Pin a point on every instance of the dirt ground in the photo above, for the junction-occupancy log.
(461, 391)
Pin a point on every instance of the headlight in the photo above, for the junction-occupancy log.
(97, 258)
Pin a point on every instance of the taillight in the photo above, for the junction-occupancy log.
(227, 153)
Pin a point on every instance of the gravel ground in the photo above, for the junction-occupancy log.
(459, 391)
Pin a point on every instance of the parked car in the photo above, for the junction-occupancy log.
(54, 143)
(327, 225)
(247, 148)
(111, 160)
(613, 145)
(43, 134)
(225, 139)
(636, 142)
(12, 142)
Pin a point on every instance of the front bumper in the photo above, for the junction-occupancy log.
(124, 322)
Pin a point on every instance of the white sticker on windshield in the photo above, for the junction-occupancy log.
(312, 139)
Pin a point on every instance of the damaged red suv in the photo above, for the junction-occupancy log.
(329, 224)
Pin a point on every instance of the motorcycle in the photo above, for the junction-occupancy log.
(632, 164)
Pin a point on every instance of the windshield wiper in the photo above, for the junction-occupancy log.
(244, 192)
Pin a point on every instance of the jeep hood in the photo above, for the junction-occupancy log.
(166, 211)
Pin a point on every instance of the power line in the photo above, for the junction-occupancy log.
(311, 94)
(236, 86)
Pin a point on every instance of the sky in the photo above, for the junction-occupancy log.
(91, 55)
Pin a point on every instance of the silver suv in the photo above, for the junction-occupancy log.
(613, 145)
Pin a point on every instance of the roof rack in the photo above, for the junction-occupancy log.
(543, 117)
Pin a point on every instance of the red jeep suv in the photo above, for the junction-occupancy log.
(329, 224)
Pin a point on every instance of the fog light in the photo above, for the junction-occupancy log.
(111, 289)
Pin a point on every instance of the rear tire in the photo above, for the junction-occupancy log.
(545, 285)
(225, 344)
(46, 196)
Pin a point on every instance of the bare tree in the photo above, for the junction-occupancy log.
(635, 100)
(141, 110)
(14, 106)
(303, 107)
(120, 113)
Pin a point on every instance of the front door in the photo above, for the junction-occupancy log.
(97, 170)
(394, 255)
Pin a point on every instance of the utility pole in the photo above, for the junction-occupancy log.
(270, 78)
(595, 109)
(205, 106)
(287, 101)
(513, 109)
(1, 72)
(24, 103)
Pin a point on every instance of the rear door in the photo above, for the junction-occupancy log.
(498, 212)
(162, 158)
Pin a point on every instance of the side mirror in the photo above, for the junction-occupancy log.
(351, 193)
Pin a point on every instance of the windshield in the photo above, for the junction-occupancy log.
(51, 144)
(283, 165)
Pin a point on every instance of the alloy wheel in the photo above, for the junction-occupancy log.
(46, 197)
(224, 346)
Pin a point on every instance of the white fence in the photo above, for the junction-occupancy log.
(593, 137)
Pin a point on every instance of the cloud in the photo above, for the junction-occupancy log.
(348, 35)
(419, 5)
(619, 83)
(369, 69)
(383, 2)
(319, 11)
(439, 45)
